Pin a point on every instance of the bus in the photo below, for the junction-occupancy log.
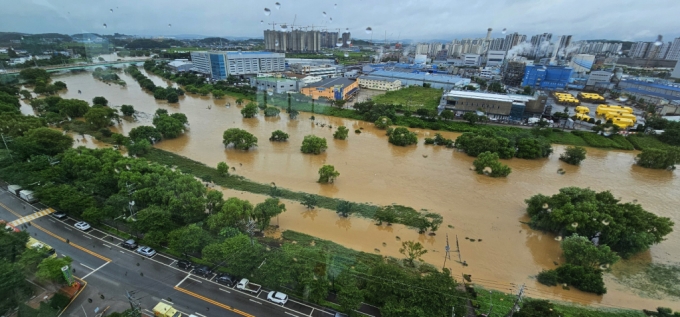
(39, 245)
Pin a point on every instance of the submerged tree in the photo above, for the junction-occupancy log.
(327, 174)
(412, 250)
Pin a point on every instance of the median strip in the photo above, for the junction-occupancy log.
(71, 243)
(213, 302)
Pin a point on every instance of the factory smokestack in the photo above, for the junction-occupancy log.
(488, 34)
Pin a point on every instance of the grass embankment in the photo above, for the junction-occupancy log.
(404, 215)
(411, 98)
(502, 302)
(643, 141)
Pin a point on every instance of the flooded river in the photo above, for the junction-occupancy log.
(427, 177)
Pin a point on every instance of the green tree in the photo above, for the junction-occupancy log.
(580, 251)
(625, 227)
(265, 211)
(487, 163)
(341, 133)
(100, 101)
(145, 133)
(476, 143)
(350, 296)
(14, 288)
(218, 94)
(279, 136)
(169, 127)
(241, 139)
(41, 141)
(533, 148)
(471, 117)
(100, 117)
(238, 255)
(189, 240)
(239, 101)
(412, 251)
(233, 213)
(327, 174)
(50, 269)
(214, 200)
(32, 75)
(448, 115)
(250, 110)
(172, 97)
(309, 201)
(383, 123)
(127, 110)
(154, 218)
(12, 244)
(573, 155)
(223, 168)
(344, 208)
(312, 144)
(271, 112)
(73, 108)
(496, 87)
(160, 93)
(402, 136)
(659, 158)
(139, 147)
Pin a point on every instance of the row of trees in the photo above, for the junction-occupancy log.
(170, 94)
(504, 143)
(40, 80)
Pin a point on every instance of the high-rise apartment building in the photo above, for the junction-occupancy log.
(663, 50)
(303, 41)
(639, 49)
(496, 44)
(540, 43)
(422, 48)
(674, 50)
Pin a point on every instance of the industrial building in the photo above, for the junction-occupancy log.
(220, 64)
(379, 83)
(495, 58)
(332, 88)
(303, 41)
(514, 73)
(323, 71)
(651, 92)
(278, 85)
(582, 63)
(676, 70)
(410, 77)
(546, 77)
(181, 65)
(471, 60)
(599, 79)
(496, 106)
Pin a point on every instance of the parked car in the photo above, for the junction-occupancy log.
(202, 271)
(146, 251)
(59, 215)
(129, 244)
(245, 285)
(82, 225)
(277, 297)
(226, 279)
(184, 264)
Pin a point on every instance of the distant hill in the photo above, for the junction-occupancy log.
(151, 44)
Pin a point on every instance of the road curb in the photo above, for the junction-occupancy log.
(82, 282)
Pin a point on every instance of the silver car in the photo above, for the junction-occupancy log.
(146, 251)
(82, 225)
(277, 297)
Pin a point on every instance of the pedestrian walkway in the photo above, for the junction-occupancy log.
(31, 217)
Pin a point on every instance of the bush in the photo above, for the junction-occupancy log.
(249, 111)
(573, 155)
(105, 132)
(271, 112)
(548, 277)
(342, 133)
(241, 139)
(127, 110)
(313, 145)
(659, 158)
(279, 136)
(487, 163)
(584, 278)
(402, 136)
(383, 123)
(476, 143)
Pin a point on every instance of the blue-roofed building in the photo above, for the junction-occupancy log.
(221, 64)
(651, 92)
(546, 77)
(419, 78)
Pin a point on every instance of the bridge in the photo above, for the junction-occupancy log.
(56, 68)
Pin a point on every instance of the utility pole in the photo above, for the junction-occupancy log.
(515, 307)
(5, 140)
(447, 248)
(134, 304)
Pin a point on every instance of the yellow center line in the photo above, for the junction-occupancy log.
(213, 302)
(58, 237)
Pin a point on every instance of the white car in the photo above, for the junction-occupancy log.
(82, 225)
(277, 297)
(146, 251)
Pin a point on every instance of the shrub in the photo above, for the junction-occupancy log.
(383, 123)
(279, 136)
(402, 136)
(313, 145)
(548, 277)
(487, 163)
(342, 133)
(271, 112)
(659, 158)
(573, 155)
(241, 139)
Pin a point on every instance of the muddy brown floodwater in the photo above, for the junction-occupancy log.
(434, 178)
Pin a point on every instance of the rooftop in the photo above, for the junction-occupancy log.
(441, 78)
(660, 86)
(488, 96)
(369, 77)
(330, 82)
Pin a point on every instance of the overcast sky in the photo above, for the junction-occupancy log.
(401, 19)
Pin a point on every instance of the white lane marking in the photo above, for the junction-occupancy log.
(169, 302)
(87, 266)
(106, 245)
(287, 313)
(52, 220)
(182, 281)
(88, 237)
(224, 290)
(97, 269)
(173, 262)
(200, 314)
(254, 301)
(69, 229)
(122, 252)
(195, 280)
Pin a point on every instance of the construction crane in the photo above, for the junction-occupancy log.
(292, 26)
(273, 24)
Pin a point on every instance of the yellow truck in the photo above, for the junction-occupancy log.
(165, 310)
(602, 109)
(582, 110)
(623, 123)
(624, 115)
(39, 245)
(582, 116)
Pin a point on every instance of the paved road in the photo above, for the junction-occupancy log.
(111, 270)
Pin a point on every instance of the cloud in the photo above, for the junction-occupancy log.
(407, 19)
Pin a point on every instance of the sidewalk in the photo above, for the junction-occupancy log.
(89, 300)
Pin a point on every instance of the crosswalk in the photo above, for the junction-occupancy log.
(32, 216)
